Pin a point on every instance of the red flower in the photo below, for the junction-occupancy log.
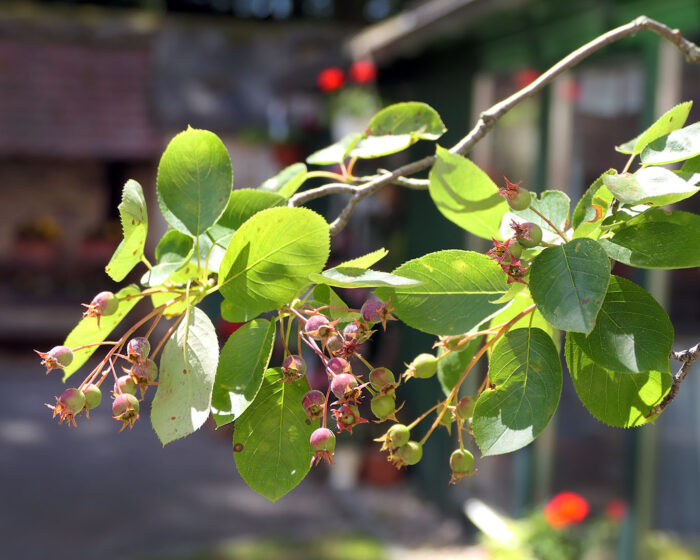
(363, 71)
(564, 509)
(331, 79)
(616, 510)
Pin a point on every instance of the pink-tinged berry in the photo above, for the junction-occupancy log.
(397, 436)
(338, 365)
(423, 366)
(343, 386)
(138, 349)
(125, 409)
(461, 463)
(382, 379)
(102, 305)
(318, 327)
(293, 368)
(93, 397)
(516, 271)
(384, 407)
(357, 331)
(125, 384)
(334, 343)
(58, 357)
(408, 454)
(348, 416)
(68, 405)
(314, 403)
(375, 310)
(528, 234)
(465, 408)
(144, 373)
(322, 442)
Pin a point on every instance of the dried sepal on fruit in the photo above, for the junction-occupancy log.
(58, 357)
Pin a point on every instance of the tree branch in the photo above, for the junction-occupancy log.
(489, 118)
(687, 357)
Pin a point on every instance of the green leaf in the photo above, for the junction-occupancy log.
(397, 127)
(657, 239)
(617, 398)
(452, 366)
(465, 195)
(526, 379)
(88, 332)
(173, 252)
(520, 302)
(568, 284)
(675, 146)
(287, 181)
(134, 219)
(186, 378)
(691, 170)
(242, 205)
(194, 180)
(671, 120)
(650, 185)
(323, 295)
(455, 296)
(176, 307)
(552, 204)
(632, 333)
(365, 261)
(593, 204)
(354, 277)
(273, 437)
(270, 258)
(335, 153)
(242, 363)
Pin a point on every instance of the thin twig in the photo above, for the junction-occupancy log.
(489, 118)
(687, 357)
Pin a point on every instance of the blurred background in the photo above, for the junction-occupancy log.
(90, 94)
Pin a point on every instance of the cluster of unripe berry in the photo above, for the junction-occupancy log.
(336, 347)
(140, 373)
(525, 235)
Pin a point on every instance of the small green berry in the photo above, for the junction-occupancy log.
(398, 435)
(411, 453)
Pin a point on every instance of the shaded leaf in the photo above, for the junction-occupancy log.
(323, 295)
(568, 284)
(593, 204)
(617, 398)
(242, 363)
(134, 220)
(243, 204)
(632, 333)
(465, 195)
(526, 379)
(451, 367)
(273, 437)
(455, 296)
(657, 239)
(186, 378)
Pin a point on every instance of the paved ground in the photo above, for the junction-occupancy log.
(91, 493)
